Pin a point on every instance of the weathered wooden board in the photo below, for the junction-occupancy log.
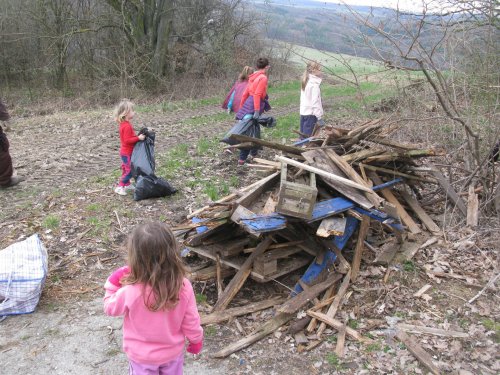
(323, 162)
(330, 207)
(332, 226)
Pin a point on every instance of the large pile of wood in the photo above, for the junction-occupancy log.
(340, 189)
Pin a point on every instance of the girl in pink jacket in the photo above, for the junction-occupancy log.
(157, 302)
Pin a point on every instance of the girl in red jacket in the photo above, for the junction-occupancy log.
(124, 113)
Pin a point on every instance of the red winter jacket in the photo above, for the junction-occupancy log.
(257, 87)
(128, 139)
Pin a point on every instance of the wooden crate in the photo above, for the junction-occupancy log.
(295, 199)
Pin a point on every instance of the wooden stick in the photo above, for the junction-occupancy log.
(222, 316)
(358, 252)
(405, 217)
(450, 192)
(219, 277)
(324, 302)
(339, 349)
(419, 211)
(419, 352)
(239, 279)
(472, 208)
(295, 303)
(392, 172)
(431, 331)
(337, 324)
(332, 310)
(321, 172)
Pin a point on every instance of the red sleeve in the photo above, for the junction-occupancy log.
(260, 92)
(127, 134)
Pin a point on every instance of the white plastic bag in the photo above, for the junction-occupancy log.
(23, 269)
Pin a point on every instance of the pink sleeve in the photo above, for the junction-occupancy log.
(114, 300)
(191, 325)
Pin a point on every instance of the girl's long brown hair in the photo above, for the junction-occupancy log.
(154, 261)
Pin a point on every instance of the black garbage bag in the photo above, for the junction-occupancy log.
(152, 187)
(143, 156)
(249, 127)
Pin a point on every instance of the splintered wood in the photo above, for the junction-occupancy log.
(334, 191)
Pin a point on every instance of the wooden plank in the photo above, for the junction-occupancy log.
(234, 247)
(448, 189)
(286, 266)
(265, 329)
(386, 253)
(330, 207)
(222, 316)
(322, 173)
(354, 176)
(275, 246)
(256, 191)
(326, 297)
(337, 324)
(472, 208)
(393, 173)
(263, 223)
(198, 238)
(239, 279)
(279, 253)
(419, 211)
(431, 331)
(412, 226)
(408, 251)
(358, 251)
(419, 352)
(209, 273)
(220, 287)
(339, 348)
(267, 162)
(270, 205)
(422, 290)
(262, 142)
(292, 305)
(332, 310)
(361, 155)
(333, 226)
(264, 267)
(391, 143)
(320, 160)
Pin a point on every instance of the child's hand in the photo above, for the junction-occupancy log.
(195, 348)
(118, 275)
(142, 137)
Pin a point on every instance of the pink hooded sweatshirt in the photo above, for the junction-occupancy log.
(153, 337)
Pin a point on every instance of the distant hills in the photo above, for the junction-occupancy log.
(330, 27)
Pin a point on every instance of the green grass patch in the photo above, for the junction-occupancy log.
(494, 326)
(210, 331)
(284, 129)
(51, 222)
(374, 347)
(210, 146)
(178, 159)
(353, 323)
(206, 119)
(201, 298)
(409, 266)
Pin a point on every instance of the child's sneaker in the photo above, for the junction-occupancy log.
(120, 190)
(130, 187)
(241, 163)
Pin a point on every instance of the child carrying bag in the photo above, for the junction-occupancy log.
(23, 269)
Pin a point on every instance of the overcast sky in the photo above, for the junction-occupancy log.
(407, 5)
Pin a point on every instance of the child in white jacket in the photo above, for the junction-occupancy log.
(311, 108)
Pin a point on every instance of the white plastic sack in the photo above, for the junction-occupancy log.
(23, 269)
